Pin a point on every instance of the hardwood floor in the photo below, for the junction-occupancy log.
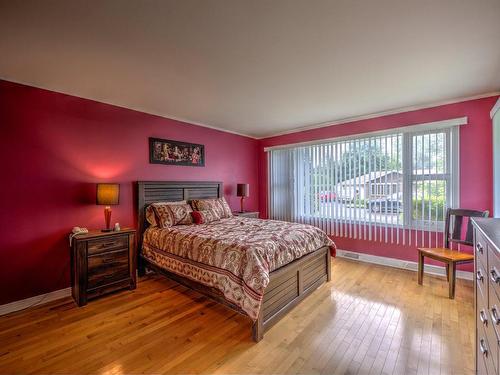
(368, 320)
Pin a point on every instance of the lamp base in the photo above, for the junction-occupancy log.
(241, 205)
(107, 219)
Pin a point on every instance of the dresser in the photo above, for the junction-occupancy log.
(101, 263)
(487, 294)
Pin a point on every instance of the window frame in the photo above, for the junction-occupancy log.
(451, 178)
(450, 127)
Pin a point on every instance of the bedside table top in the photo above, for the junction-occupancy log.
(246, 213)
(96, 233)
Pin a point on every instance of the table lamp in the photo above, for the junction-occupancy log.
(242, 190)
(108, 195)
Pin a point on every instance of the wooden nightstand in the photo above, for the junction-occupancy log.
(101, 263)
(252, 214)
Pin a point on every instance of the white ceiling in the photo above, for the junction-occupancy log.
(254, 67)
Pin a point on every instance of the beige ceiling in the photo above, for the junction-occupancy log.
(254, 67)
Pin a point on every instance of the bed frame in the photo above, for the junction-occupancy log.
(288, 285)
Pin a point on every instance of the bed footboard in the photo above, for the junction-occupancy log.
(289, 285)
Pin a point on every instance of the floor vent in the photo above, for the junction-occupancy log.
(351, 255)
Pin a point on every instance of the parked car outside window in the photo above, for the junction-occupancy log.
(390, 204)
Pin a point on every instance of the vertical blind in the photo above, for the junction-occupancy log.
(392, 187)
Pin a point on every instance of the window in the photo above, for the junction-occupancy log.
(392, 186)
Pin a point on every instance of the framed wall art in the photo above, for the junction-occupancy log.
(165, 151)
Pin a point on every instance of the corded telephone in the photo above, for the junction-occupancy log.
(75, 231)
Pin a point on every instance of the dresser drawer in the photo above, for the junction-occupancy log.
(492, 324)
(107, 244)
(494, 270)
(483, 318)
(107, 268)
(482, 282)
(480, 364)
(480, 247)
(484, 354)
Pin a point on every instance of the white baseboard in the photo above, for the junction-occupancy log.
(34, 301)
(398, 263)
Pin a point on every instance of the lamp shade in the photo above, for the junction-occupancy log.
(108, 194)
(243, 190)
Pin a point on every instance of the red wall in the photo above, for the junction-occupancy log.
(476, 160)
(56, 147)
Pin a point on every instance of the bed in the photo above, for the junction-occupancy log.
(275, 284)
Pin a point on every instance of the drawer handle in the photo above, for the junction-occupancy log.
(109, 276)
(483, 317)
(113, 259)
(107, 244)
(479, 276)
(494, 276)
(479, 248)
(494, 315)
(483, 348)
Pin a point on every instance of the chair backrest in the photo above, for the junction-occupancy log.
(455, 234)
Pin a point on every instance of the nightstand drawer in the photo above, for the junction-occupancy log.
(107, 268)
(101, 263)
(107, 244)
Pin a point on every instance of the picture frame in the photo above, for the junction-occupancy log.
(170, 152)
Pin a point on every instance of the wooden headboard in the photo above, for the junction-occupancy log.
(169, 191)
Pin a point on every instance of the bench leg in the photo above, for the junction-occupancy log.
(452, 278)
(420, 268)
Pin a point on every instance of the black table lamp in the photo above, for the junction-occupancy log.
(243, 191)
(108, 195)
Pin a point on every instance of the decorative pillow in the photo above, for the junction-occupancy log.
(204, 217)
(151, 215)
(168, 215)
(182, 214)
(218, 205)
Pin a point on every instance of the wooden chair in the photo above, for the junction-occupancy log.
(447, 255)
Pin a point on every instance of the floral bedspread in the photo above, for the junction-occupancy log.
(234, 255)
